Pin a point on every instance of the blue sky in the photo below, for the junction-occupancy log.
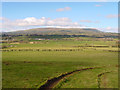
(21, 15)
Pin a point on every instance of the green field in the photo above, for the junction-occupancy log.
(31, 69)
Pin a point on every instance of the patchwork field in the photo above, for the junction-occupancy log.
(30, 65)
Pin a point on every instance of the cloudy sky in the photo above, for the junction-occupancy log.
(26, 15)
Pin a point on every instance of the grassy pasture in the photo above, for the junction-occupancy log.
(30, 69)
(90, 79)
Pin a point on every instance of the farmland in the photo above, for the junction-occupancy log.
(30, 63)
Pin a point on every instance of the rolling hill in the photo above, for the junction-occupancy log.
(85, 32)
(56, 31)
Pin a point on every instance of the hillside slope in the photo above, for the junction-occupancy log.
(85, 32)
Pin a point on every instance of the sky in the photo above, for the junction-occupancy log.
(27, 15)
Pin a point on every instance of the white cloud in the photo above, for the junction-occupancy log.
(109, 29)
(32, 22)
(86, 21)
(89, 21)
(63, 9)
(112, 16)
(98, 5)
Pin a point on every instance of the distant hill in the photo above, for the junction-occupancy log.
(63, 31)
(56, 31)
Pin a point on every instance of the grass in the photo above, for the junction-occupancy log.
(61, 44)
(29, 69)
(110, 80)
(89, 79)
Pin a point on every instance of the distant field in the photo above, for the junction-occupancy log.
(60, 44)
(31, 69)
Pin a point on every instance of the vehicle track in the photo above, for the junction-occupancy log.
(99, 78)
(54, 81)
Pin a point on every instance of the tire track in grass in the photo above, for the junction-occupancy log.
(99, 78)
(54, 81)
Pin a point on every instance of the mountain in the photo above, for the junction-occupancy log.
(63, 31)
(56, 31)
